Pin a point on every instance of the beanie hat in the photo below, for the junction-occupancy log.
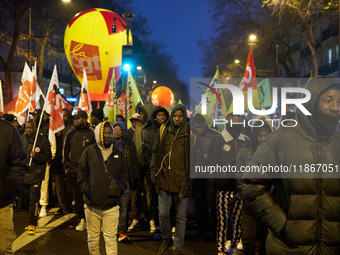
(98, 113)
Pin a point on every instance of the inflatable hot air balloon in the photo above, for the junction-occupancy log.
(93, 41)
(162, 96)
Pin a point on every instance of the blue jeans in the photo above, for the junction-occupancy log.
(165, 199)
(123, 211)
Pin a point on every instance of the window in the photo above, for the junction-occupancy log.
(329, 56)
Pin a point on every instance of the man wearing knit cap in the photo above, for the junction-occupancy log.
(97, 116)
(76, 141)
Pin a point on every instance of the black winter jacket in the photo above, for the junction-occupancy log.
(144, 138)
(223, 153)
(75, 143)
(170, 163)
(13, 162)
(303, 215)
(36, 172)
(92, 179)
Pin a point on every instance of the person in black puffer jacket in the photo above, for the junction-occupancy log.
(75, 142)
(302, 214)
(100, 163)
(13, 166)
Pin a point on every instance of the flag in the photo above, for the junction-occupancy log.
(1, 100)
(36, 90)
(53, 106)
(84, 100)
(248, 81)
(111, 108)
(211, 100)
(134, 97)
(264, 93)
(25, 94)
(66, 104)
(121, 104)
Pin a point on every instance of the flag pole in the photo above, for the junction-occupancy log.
(37, 133)
(38, 128)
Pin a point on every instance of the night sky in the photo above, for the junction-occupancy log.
(179, 24)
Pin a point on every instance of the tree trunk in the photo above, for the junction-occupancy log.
(10, 58)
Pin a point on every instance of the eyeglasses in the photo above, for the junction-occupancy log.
(117, 129)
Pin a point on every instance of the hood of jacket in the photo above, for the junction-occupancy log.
(316, 87)
(122, 125)
(147, 110)
(99, 134)
(184, 123)
(156, 110)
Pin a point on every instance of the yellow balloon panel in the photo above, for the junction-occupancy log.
(93, 41)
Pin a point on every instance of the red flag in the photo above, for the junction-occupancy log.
(25, 94)
(121, 104)
(249, 81)
(66, 104)
(54, 107)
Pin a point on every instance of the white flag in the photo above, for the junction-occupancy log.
(84, 100)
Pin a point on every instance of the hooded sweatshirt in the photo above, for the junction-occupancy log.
(92, 178)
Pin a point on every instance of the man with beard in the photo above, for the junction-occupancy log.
(223, 152)
(301, 209)
(75, 143)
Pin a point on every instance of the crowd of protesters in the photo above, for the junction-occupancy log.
(119, 180)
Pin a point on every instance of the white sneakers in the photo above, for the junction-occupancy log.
(43, 211)
(133, 225)
(152, 226)
(81, 226)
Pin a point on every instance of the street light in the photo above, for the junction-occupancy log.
(128, 16)
(252, 37)
(139, 68)
(237, 61)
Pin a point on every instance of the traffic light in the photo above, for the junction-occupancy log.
(127, 61)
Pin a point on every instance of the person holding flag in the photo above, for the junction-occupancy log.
(39, 151)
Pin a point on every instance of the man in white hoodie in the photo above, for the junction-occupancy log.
(100, 163)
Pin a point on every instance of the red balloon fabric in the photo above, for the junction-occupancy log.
(162, 96)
